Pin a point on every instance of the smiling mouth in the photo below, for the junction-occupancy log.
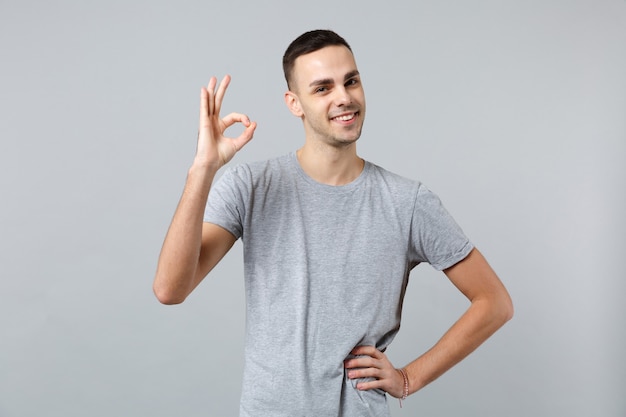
(345, 117)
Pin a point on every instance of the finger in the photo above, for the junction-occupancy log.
(387, 384)
(373, 384)
(367, 350)
(362, 362)
(211, 96)
(233, 118)
(204, 107)
(371, 380)
(219, 95)
(364, 373)
(245, 137)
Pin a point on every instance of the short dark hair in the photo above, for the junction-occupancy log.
(306, 43)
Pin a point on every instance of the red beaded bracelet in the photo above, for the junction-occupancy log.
(406, 385)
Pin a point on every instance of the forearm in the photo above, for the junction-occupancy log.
(176, 269)
(476, 325)
(191, 250)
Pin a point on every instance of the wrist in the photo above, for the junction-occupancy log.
(200, 178)
(405, 385)
(202, 168)
(204, 164)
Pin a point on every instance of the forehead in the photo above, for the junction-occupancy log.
(330, 62)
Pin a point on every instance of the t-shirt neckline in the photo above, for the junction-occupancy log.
(325, 187)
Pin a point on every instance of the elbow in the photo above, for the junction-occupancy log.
(166, 295)
(511, 311)
(506, 309)
(168, 299)
(498, 310)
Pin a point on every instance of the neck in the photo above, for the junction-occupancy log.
(330, 165)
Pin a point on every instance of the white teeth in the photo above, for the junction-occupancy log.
(345, 118)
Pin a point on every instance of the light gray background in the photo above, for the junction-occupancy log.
(512, 111)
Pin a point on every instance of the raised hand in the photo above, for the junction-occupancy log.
(214, 148)
(372, 363)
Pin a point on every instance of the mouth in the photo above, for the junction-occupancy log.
(345, 118)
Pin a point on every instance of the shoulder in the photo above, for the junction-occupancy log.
(261, 167)
(256, 175)
(405, 190)
(255, 169)
(394, 182)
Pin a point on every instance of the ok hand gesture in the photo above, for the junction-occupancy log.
(214, 148)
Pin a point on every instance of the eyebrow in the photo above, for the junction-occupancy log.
(326, 81)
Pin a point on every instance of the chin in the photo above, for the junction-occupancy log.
(341, 142)
(349, 137)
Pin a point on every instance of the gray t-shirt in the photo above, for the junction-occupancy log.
(326, 268)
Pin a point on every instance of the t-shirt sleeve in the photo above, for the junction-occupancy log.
(226, 203)
(436, 237)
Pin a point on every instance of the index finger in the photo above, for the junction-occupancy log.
(367, 350)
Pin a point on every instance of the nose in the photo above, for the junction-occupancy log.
(342, 97)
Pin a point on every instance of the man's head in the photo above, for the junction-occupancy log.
(306, 43)
(325, 88)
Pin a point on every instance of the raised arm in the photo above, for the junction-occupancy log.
(192, 248)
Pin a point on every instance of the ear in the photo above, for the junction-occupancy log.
(293, 104)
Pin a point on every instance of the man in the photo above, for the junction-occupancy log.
(329, 241)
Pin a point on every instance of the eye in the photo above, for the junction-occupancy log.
(351, 82)
(321, 89)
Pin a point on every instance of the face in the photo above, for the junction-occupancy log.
(327, 94)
